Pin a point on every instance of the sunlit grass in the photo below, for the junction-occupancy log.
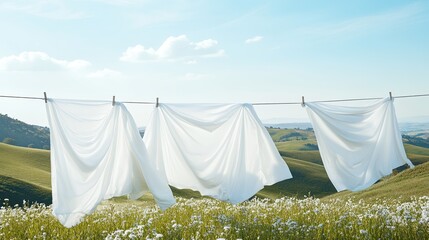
(286, 218)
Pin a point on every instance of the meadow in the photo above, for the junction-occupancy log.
(284, 218)
(305, 207)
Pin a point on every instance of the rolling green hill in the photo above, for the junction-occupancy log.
(406, 184)
(25, 172)
(308, 179)
(15, 132)
(25, 164)
(16, 191)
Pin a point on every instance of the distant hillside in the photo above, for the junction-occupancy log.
(308, 179)
(16, 191)
(406, 184)
(404, 127)
(15, 132)
(25, 172)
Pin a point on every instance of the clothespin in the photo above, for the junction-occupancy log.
(157, 102)
(46, 98)
(113, 101)
(303, 102)
(390, 94)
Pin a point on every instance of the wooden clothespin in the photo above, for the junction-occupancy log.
(390, 94)
(46, 98)
(302, 101)
(113, 101)
(157, 102)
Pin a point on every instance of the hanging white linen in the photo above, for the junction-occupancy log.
(220, 150)
(97, 153)
(358, 145)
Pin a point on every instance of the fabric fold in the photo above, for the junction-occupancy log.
(358, 145)
(220, 150)
(97, 153)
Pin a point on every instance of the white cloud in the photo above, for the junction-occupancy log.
(254, 39)
(39, 61)
(51, 9)
(173, 48)
(191, 62)
(208, 43)
(105, 73)
(134, 54)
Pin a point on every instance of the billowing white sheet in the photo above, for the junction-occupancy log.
(358, 145)
(97, 153)
(220, 150)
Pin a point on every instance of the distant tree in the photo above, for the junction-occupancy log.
(8, 140)
(30, 145)
(310, 146)
(46, 147)
(23, 134)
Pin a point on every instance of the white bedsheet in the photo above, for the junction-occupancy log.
(358, 145)
(97, 153)
(220, 150)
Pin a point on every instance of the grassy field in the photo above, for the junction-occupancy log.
(26, 164)
(397, 207)
(285, 218)
(24, 174)
(406, 184)
(26, 171)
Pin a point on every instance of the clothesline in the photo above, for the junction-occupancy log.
(220, 150)
(255, 104)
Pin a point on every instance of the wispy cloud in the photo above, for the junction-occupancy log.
(254, 39)
(39, 61)
(52, 9)
(403, 15)
(172, 49)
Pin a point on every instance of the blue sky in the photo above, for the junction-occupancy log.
(213, 51)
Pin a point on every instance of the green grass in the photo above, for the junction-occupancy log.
(295, 145)
(289, 134)
(31, 167)
(411, 149)
(406, 184)
(25, 164)
(17, 191)
(308, 179)
(286, 218)
(24, 174)
(395, 208)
